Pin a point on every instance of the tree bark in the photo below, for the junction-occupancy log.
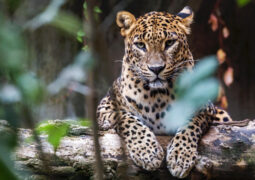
(227, 151)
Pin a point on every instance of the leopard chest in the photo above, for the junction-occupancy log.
(155, 109)
(150, 105)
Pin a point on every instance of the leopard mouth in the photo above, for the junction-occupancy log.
(157, 83)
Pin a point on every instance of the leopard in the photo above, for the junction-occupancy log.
(156, 51)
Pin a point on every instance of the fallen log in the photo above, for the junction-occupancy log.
(227, 151)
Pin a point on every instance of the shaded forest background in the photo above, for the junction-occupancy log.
(52, 49)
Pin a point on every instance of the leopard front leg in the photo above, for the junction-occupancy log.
(141, 143)
(107, 114)
(182, 150)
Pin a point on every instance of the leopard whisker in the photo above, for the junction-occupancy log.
(118, 61)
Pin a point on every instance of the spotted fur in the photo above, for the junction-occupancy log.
(156, 51)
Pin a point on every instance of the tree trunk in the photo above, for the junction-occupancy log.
(227, 151)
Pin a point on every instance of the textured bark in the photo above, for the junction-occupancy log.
(226, 152)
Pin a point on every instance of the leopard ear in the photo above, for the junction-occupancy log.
(186, 14)
(126, 21)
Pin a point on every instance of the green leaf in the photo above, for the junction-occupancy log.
(204, 69)
(85, 5)
(85, 122)
(80, 35)
(85, 48)
(6, 172)
(97, 10)
(183, 110)
(12, 50)
(242, 3)
(67, 22)
(180, 113)
(55, 132)
(194, 90)
(8, 141)
(201, 92)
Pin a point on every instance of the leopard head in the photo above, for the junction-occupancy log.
(156, 47)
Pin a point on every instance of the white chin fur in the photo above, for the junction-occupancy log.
(157, 84)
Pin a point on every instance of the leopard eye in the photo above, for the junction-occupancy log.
(169, 43)
(140, 45)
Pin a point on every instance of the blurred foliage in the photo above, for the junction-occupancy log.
(67, 22)
(242, 3)
(20, 89)
(12, 50)
(97, 10)
(55, 17)
(56, 131)
(84, 122)
(81, 35)
(194, 89)
(8, 141)
(46, 16)
(31, 88)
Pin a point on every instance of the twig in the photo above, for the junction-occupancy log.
(30, 122)
(93, 36)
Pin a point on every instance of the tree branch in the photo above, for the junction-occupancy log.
(225, 152)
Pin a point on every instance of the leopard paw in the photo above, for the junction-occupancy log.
(149, 157)
(141, 143)
(181, 158)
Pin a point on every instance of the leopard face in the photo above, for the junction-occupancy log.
(156, 45)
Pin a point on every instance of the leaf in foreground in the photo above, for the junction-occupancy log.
(194, 90)
(55, 132)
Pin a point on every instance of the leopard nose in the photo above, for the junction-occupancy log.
(156, 69)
